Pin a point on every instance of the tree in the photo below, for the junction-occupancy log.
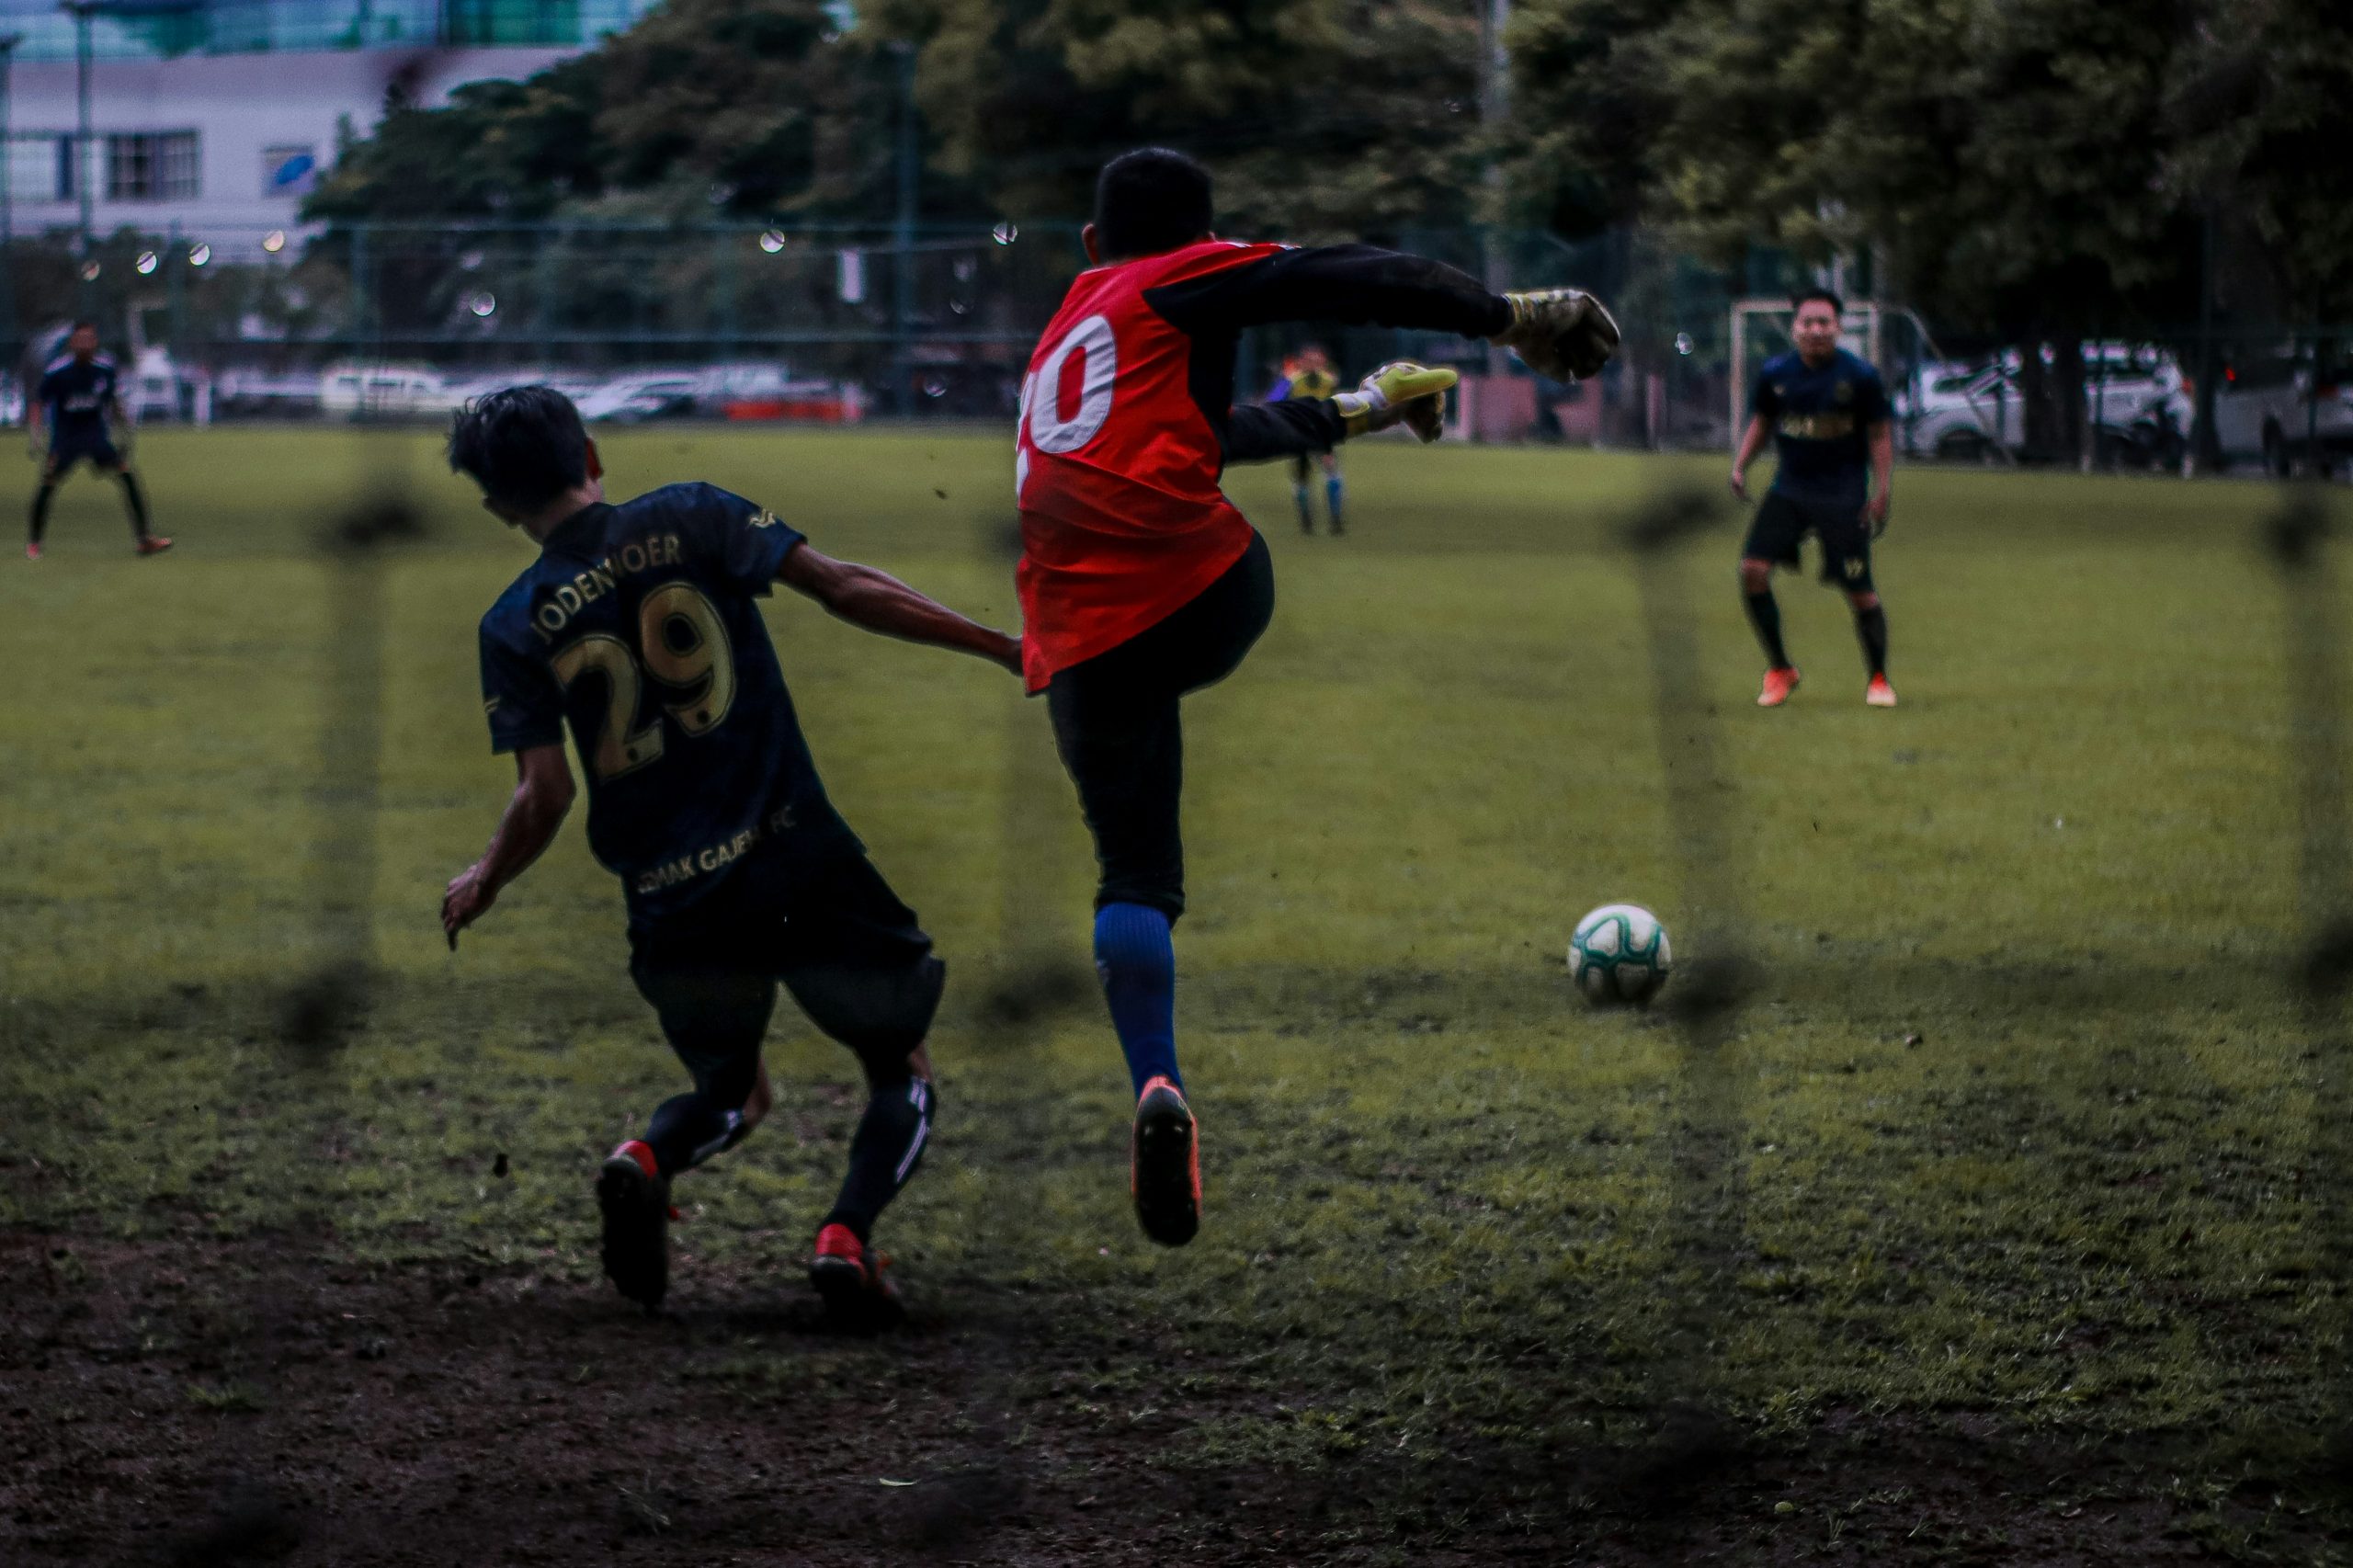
(1320, 117)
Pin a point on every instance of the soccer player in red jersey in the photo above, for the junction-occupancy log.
(1140, 582)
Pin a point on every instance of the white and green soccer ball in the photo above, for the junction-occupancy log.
(1619, 954)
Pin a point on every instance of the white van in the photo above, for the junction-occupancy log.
(353, 391)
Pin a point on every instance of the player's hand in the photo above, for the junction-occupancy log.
(1400, 393)
(1740, 484)
(1560, 333)
(468, 896)
(1875, 513)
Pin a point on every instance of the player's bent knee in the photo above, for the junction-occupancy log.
(1864, 603)
(1756, 575)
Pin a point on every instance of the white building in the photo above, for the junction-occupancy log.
(214, 117)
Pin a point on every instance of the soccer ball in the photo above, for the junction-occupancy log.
(1619, 954)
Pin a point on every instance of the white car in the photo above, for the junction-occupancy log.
(352, 391)
(1968, 414)
(2268, 411)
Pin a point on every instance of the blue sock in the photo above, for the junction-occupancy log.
(1138, 966)
(1332, 492)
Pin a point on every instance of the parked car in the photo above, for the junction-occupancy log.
(2270, 410)
(1970, 415)
(630, 400)
(352, 391)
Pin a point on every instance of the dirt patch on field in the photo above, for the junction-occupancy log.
(198, 1402)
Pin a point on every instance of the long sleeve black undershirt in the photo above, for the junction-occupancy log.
(1360, 285)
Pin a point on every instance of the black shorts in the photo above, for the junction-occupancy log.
(839, 939)
(1116, 726)
(66, 451)
(1846, 535)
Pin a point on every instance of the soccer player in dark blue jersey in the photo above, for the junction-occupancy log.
(76, 398)
(1828, 411)
(639, 627)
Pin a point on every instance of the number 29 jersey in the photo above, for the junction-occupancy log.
(640, 627)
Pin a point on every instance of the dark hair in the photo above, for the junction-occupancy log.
(524, 445)
(94, 326)
(1150, 201)
(1807, 296)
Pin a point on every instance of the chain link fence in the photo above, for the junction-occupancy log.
(850, 322)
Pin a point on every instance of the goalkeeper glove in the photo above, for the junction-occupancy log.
(1560, 333)
(1398, 393)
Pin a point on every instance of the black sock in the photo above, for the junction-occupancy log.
(137, 502)
(40, 509)
(1870, 625)
(884, 1152)
(687, 1130)
(1765, 615)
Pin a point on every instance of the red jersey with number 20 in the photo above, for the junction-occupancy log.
(1122, 522)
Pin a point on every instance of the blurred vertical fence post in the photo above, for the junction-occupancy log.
(1709, 1186)
(2299, 536)
(902, 239)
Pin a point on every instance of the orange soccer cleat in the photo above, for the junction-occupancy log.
(1164, 1164)
(1879, 694)
(154, 544)
(1779, 681)
(32, 551)
(848, 1275)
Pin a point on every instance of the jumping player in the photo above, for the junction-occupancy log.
(1829, 413)
(76, 398)
(1308, 374)
(638, 626)
(1140, 582)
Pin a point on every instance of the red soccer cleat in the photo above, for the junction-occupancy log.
(850, 1277)
(1779, 681)
(154, 544)
(635, 1200)
(32, 551)
(1879, 694)
(1164, 1164)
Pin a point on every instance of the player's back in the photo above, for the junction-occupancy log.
(638, 627)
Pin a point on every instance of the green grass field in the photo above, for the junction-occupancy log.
(2034, 1206)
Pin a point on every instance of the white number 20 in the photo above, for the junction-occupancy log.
(1041, 398)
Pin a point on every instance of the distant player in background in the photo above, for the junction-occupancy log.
(639, 627)
(1140, 582)
(1828, 412)
(1308, 373)
(76, 400)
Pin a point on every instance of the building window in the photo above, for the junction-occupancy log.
(288, 171)
(152, 165)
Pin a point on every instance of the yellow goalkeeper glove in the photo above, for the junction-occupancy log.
(1400, 393)
(1560, 333)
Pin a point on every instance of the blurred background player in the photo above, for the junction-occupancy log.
(639, 625)
(1140, 582)
(1308, 373)
(1829, 415)
(76, 400)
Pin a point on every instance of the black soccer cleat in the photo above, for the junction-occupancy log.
(1164, 1164)
(635, 1200)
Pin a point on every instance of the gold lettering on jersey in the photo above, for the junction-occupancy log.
(711, 857)
(1818, 427)
(587, 588)
(767, 520)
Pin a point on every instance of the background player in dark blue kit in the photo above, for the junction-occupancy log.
(1838, 464)
(638, 626)
(76, 400)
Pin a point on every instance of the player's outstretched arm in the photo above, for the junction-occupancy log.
(543, 791)
(880, 602)
(1752, 441)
